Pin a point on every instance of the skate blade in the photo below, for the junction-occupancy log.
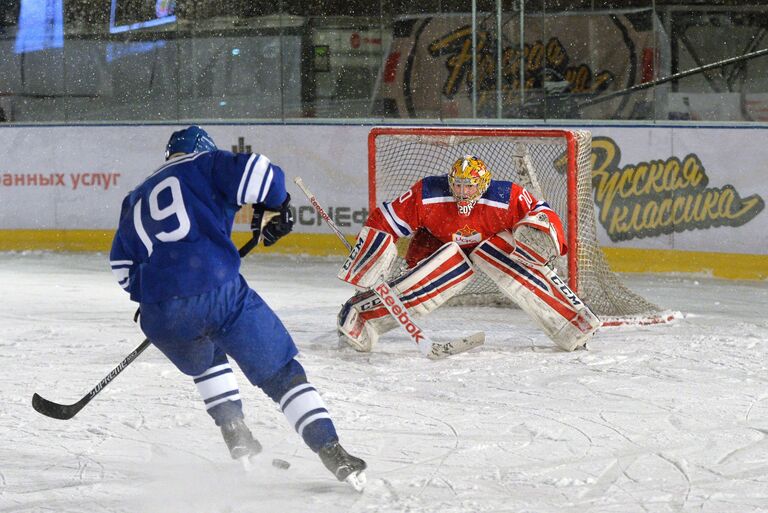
(245, 461)
(357, 481)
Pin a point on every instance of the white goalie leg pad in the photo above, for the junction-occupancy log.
(539, 291)
(371, 257)
(422, 289)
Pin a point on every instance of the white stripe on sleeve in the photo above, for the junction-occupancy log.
(246, 174)
(256, 181)
(267, 183)
(398, 225)
(122, 276)
(121, 271)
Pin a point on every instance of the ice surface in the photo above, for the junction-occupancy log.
(650, 419)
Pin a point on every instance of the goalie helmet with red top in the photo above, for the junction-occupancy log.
(469, 179)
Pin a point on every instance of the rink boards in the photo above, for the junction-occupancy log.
(668, 198)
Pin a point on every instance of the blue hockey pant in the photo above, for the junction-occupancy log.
(197, 333)
(233, 318)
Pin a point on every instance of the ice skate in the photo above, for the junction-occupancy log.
(240, 442)
(343, 465)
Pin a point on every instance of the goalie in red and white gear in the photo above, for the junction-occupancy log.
(460, 223)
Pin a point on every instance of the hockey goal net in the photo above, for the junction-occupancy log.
(555, 165)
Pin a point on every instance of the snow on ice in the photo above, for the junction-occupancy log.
(651, 419)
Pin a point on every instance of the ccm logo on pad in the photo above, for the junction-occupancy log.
(352, 255)
(565, 290)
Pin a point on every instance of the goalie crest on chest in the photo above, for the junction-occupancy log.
(467, 236)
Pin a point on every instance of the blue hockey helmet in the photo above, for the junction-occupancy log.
(190, 140)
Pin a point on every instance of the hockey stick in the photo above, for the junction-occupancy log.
(395, 307)
(67, 411)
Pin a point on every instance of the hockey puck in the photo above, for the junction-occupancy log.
(282, 464)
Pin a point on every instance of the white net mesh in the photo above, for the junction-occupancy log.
(540, 161)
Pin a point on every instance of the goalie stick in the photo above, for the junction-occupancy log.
(67, 411)
(429, 348)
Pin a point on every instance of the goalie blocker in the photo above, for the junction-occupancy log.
(370, 259)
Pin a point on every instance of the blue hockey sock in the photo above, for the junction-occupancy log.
(301, 405)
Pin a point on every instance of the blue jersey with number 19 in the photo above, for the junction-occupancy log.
(173, 238)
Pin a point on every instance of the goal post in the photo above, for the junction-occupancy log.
(555, 165)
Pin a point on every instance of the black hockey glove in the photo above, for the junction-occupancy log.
(280, 225)
(257, 221)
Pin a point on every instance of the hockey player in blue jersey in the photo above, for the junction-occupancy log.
(173, 253)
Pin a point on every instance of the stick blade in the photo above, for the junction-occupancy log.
(54, 410)
(444, 349)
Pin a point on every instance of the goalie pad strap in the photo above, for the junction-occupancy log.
(539, 291)
(370, 258)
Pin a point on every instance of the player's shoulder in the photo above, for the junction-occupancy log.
(178, 167)
(499, 191)
(176, 164)
(435, 187)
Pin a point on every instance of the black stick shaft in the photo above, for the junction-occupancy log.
(67, 411)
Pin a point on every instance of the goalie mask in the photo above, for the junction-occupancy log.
(469, 179)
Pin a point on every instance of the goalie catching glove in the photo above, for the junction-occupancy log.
(536, 240)
(272, 225)
(370, 258)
